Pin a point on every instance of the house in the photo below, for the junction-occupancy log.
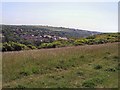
(63, 38)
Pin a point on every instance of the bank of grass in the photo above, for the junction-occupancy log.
(71, 67)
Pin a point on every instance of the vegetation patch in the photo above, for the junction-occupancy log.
(88, 84)
(17, 45)
(116, 58)
(106, 57)
(28, 71)
(108, 53)
(98, 67)
(93, 82)
(20, 87)
(82, 56)
(79, 73)
(110, 69)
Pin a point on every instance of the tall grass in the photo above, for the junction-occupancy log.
(62, 67)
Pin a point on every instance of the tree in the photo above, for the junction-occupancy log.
(13, 46)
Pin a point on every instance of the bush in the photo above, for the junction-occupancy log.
(20, 87)
(53, 44)
(91, 41)
(28, 71)
(101, 41)
(31, 46)
(80, 73)
(91, 37)
(47, 45)
(59, 43)
(12, 46)
(18, 46)
(118, 67)
(97, 66)
(89, 84)
(25, 72)
(35, 70)
(110, 69)
(82, 56)
(78, 42)
(7, 47)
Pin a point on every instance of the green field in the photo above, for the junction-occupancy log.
(71, 67)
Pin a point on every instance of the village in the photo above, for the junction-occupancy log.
(37, 35)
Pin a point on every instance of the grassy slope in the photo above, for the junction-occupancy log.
(62, 67)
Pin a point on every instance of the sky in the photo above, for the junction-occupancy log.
(92, 16)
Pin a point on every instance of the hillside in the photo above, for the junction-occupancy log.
(26, 37)
(38, 34)
(17, 45)
(70, 67)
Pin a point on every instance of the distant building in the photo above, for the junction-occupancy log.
(63, 38)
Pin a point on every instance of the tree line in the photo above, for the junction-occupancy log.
(95, 39)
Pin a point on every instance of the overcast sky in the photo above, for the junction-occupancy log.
(94, 16)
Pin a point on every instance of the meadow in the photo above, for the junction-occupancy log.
(88, 66)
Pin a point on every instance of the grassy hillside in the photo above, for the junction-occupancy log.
(76, 66)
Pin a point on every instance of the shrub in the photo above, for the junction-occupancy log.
(118, 66)
(116, 57)
(25, 73)
(89, 84)
(98, 80)
(7, 47)
(28, 71)
(47, 45)
(12, 46)
(97, 66)
(106, 57)
(35, 70)
(82, 56)
(3, 48)
(108, 53)
(78, 42)
(20, 86)
(80, 73)
(101, 41)
(31, 46)
(59, 43)
(90, 41)
(110, 69)
(91, 37)
(18, 46)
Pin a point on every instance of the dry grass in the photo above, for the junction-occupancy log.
(62, 67)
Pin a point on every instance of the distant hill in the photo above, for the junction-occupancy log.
(23, 37)
(41, 33)
(70, 32)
